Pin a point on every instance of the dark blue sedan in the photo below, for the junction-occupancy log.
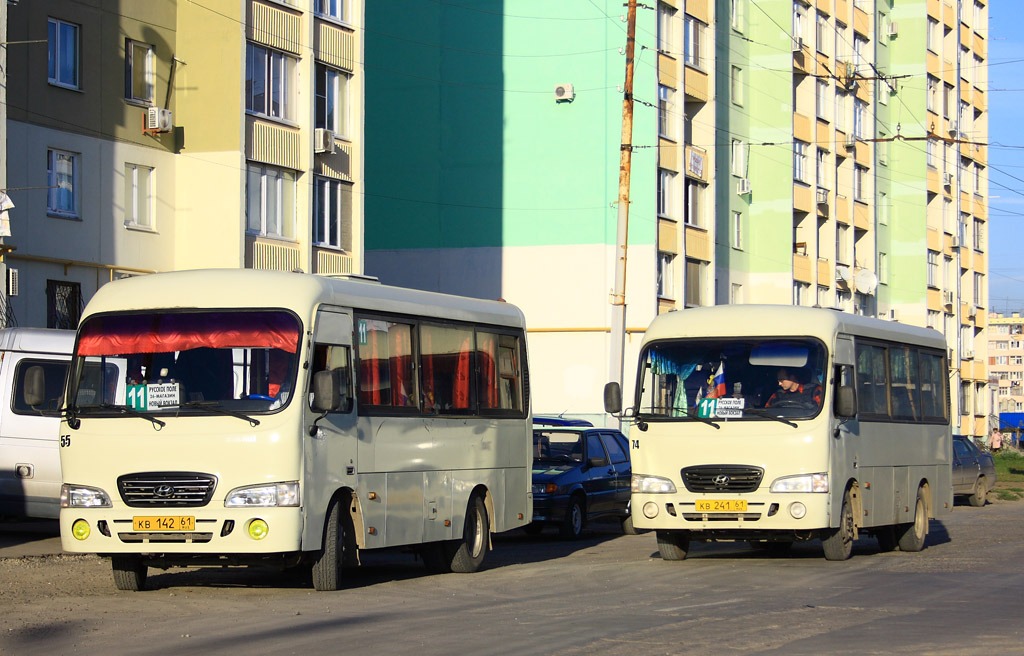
(580, 473)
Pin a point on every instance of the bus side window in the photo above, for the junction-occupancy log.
(335, 359)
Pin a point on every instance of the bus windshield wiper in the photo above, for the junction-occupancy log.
(215, 406)
(761, 412)
(125, 410)
(690, 414)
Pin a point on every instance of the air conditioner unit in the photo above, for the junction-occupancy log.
(822, 196)
(956, 241)
(972, 310)
(851, 141)
(967, 354)
(159, 119)
(743, 186)
(947, 179)
(798, 43)
(564, 93)
(323, 141)
(952, 127)
(947, 298)
(894, 29)
(12, 282)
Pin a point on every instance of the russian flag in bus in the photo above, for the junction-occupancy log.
(716, 383)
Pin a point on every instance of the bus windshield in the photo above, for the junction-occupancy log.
(169, 361)
(734, 379)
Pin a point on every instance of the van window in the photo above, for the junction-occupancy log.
(55, 371)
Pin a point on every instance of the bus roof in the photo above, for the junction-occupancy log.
(783, 320)
(37, 340)
(247, 288)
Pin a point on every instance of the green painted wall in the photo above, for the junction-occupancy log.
(465, 144)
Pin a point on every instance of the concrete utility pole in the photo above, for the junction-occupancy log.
(618, 299)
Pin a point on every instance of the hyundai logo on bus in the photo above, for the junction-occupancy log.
(164, 491)
(721, 480)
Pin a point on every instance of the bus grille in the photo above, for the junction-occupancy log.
(722, 478)
(166, 489)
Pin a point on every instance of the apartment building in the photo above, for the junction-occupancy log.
(151, 136)
(1006, 361)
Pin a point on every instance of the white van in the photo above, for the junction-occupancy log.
(29, 458)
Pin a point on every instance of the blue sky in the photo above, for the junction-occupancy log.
(1006, 156)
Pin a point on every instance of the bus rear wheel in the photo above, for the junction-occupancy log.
(129, 572)
(911, 536)
(466, 554)
(673, 545)
(838, 542)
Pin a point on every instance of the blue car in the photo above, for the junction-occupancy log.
(580, 473)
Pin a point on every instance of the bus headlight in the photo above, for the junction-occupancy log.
(264, 496)
(652, 484)
(801, 483)
(83, 496)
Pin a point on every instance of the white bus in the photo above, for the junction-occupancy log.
(239, 417)
(776, 424)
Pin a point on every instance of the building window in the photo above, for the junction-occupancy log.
(332, 106)
(736, 294)
(138, 76)
(883, 268)
(979, 235)
(979, 288)
(933, 269)
(860, 119)
(801, 293)
(821, 99)
(736, 14)
(800, 161)
(799, 18)
(841, 116)
(860, 45)
(932, 36)
(666, 31)
(736, 85)
(935, 319)
(138, 196)
(737, 230)
(932, 98)
(330, 8)
(270, 206)
(822, 296)
(694, 203)
(63, 304)
(268, 82)
(332, 211)
(666, 194)
(822, 168)
(820, 32)
(977, 178)
(929, 150)
(739, 158)
(883, 208)
(62, 183)
(62, 53)
(666, 275)
(694, 283)
(842, 244)
(947, 100)
(860, 175)
(694, 43)
(667, 118)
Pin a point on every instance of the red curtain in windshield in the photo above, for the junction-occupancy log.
(166, 333)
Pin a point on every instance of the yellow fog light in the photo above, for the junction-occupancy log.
(80, 529)
(258, 529)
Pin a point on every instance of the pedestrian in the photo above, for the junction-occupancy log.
(995, 441)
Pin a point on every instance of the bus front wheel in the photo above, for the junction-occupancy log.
(838, 542)
(327, 566)
(673, 545)
(911, 536)
(129, 572)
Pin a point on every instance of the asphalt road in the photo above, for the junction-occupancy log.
(607, 593)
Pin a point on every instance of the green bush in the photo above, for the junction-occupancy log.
(1009, 466)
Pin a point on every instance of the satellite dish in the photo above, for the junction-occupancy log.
(866, 281)
(843, 273)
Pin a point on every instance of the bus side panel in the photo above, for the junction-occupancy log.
(373, 510)
(437, 506)
(463, 485)
(518, 498)
(904, 495)
(403, 520)
(878, 498)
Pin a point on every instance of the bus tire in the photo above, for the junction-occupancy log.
(628, 528)
(911, 536)
(673, 545)
(886, 536)
(327, 566)
(467, 554)
(575, 517)
(129, 572)
(838, 542)
(979, 494)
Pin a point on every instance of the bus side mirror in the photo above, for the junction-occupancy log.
(326, 395)
(612, 398)
(846, 401)
(34, 390)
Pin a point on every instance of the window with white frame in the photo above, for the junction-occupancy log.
(979, 234)
(947, 100)
(977, 178)
(332, 105)
(821, 168)
(694, 203)
(799, 18)
(844, 300)
(933, 269)
(979, 289)
(332, 211)
(739, 158)
(979, 20)
(666, 28)
(694, 43)
(965, 222)
(821, 33)
(860, 119)
(736, 294)
(694, 290)
(800, 161)
(736, 85)
(138, 196)
(667, 118)
(948, 217)
(933, 37)
(269, 82)
(331, 8)
(138, 76)
(822, 296)
(821, 99)
(737, 230)
(666, 194)
(801, 293)
(860, 46)
(842, 43)
(62, 172)
(935, 319)
(929, 151)
(965, 64)
(979, 70)
(737, 8)
(270, 201)
(883, 267)
(842, 244)
(860, 192)
(932, 97)
(947, 156)
(666, 275)
(62, 53)
(883, 208)
(842, 120)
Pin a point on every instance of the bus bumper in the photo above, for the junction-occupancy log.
(791, 514)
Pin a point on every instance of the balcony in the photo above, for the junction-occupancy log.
(271, 255)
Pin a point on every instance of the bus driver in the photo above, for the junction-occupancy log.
(794, 391)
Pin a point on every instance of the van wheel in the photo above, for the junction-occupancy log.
(838, 542)
(129, 572)
(673, 545)
(911, 536)
(327, 566)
